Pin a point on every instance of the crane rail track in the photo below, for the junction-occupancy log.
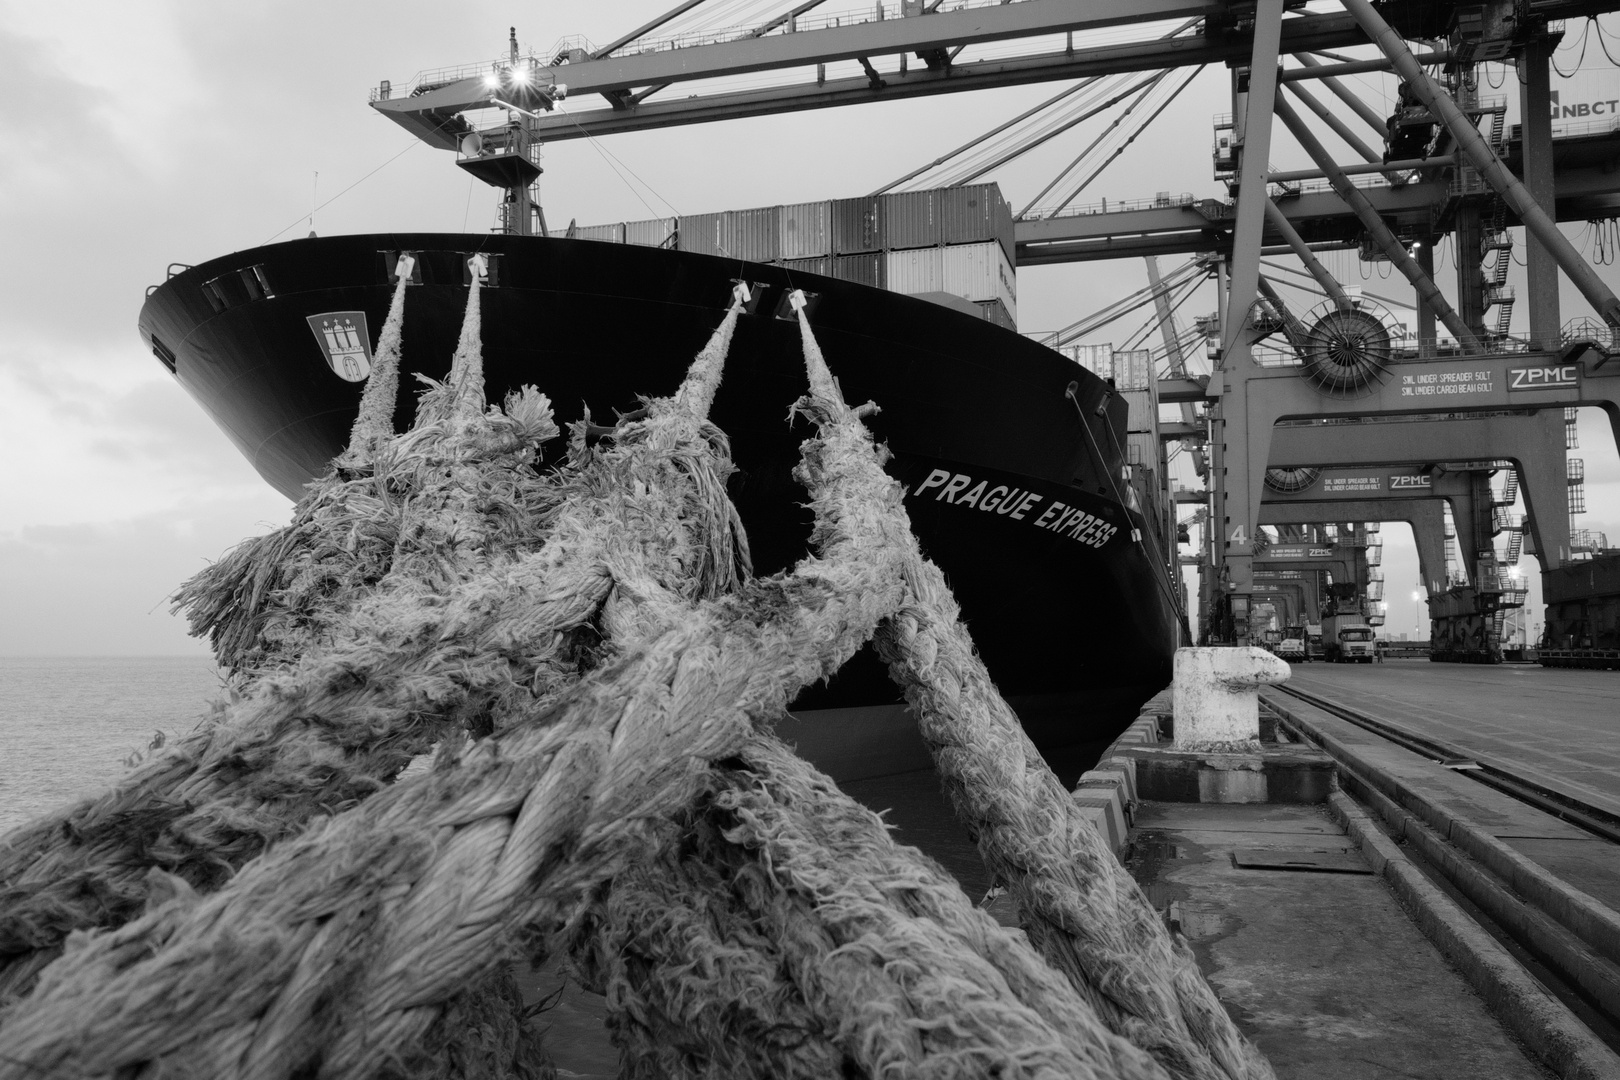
(1582, 815)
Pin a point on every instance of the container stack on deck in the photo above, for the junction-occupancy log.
(953, 246)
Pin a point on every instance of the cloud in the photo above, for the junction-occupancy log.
(102, 589)
(48, 115)
(84, 450)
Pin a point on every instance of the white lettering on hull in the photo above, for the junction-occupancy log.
(1017, 504)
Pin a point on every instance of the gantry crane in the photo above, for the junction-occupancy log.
(1436, 174)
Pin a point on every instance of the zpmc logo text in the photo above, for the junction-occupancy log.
(1554, 377)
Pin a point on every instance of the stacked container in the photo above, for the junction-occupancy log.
(957, 241)
(911, 220)
(821, 265)
(752, 235)
(1133, 370)
(1133, 374)
(613, 234)
(974, 214)
(862, 269)
(701, 233)
(857, 225)
(805, 231)
(1097, 359)
(658, 232)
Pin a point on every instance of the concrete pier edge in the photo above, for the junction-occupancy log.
(1554, 1034)
(1522, 1004)
(1106, 793)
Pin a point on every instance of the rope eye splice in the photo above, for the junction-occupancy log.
(619, 779)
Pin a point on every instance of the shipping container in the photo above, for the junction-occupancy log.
(975, 213)
(752, 235)
(1133, 369)
(1144, 414)
(1097, 359)
(821, 265)
(996, 312)
(856, 225)
(865, 269)
(806, 230)
(701, 233)
(979, 272)
(612, 233)
(916, 270)
(657, 232)
(911, 220)
(1142, 449)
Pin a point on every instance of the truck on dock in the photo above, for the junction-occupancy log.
(1347, 639)
(1292, 645)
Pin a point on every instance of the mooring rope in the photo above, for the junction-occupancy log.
(688, 949)
(384, 682)
(374, 423)
(1080, 906)
(344, 943)
(597, 633)
(783, 933)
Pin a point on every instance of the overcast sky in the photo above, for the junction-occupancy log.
(141, 133)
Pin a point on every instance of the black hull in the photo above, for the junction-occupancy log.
(1071, 616)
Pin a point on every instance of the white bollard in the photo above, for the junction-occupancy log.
(1216, 698)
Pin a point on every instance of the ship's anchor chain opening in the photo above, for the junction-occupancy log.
(586, 654)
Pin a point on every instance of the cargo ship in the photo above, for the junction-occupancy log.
(1014, 457)
(1011, 454)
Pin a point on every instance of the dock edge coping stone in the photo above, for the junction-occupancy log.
(1106, 793)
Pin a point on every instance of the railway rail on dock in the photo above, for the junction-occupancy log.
(1537, 869)
(1492, 773)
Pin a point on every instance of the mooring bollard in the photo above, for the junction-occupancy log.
(1217, 701)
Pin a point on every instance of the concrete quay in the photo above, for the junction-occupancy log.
(1429, 926)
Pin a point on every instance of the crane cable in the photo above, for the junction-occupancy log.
(1122, 147)
(1106, 315)
(1030, 140)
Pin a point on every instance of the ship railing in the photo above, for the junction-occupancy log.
(714, 35)
(1161, 201)
(1577, 128)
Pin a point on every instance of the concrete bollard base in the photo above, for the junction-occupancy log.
(1216, 698)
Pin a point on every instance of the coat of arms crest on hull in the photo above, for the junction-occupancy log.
(345, 342)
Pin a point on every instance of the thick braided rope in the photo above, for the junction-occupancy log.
(404, 662)
(1079, 905)
(231, 983)
(374, 423)
(784, 933)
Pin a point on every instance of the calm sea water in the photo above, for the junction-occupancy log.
(67, 724)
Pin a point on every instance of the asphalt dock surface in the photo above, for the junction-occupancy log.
(1559, 727)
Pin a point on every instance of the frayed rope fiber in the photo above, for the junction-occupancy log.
(598, 668)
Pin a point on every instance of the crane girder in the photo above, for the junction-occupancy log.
(1585, 185)
(429, 115)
